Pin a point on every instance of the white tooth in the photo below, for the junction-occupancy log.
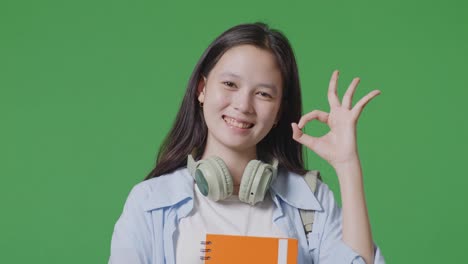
(235, 123)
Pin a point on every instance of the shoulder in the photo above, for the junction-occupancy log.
(168, 180)
(325, 196)
(290, 178)
(293, 187)
(162, 191)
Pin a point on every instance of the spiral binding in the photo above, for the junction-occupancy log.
(205, 250)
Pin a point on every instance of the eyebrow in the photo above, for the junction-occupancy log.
(267, 85)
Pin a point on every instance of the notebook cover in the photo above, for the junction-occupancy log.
(227, 249)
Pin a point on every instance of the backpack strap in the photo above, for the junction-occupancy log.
(307, 216)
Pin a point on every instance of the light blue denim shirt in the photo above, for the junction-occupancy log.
(145, 231)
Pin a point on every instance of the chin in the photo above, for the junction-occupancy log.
(239, 146)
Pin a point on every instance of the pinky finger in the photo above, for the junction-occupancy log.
(366, 99)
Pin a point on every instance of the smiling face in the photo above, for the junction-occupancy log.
(241, 98)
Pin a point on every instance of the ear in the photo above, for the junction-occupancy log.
(201, 89)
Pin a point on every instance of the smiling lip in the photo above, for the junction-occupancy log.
(243, 124)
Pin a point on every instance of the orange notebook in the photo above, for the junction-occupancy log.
(227, 249)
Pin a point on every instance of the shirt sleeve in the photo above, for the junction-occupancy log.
(332, 248)
(131, 239)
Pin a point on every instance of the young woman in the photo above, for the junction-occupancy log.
(240, 124)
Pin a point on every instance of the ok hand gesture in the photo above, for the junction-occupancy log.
(339, 144)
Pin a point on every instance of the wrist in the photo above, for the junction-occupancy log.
(352, 160)
(348, 170)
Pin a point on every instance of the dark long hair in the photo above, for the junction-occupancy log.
(189, 130)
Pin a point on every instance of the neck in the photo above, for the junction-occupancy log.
(236, 161)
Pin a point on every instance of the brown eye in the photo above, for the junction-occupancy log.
(230, 84)
(266, 95)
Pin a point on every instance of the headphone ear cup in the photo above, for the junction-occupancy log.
(245, 190)
(213, 179)
(255, 181)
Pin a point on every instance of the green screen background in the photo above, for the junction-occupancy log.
(89, 89)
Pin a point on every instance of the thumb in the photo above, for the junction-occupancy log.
(297, 133)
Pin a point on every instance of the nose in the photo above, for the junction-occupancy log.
(242, 102)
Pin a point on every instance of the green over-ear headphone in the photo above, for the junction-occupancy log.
(213, 179)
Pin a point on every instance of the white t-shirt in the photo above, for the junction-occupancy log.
(227, 217)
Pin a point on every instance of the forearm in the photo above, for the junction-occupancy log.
(356, 225)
